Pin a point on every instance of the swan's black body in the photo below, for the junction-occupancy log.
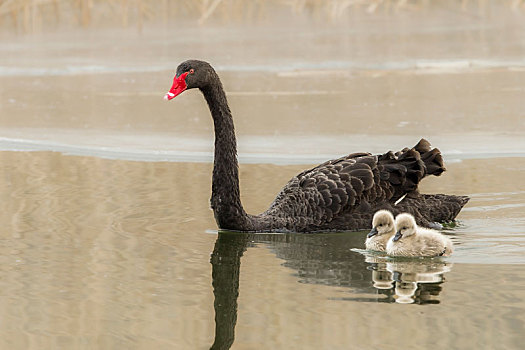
(341, 194)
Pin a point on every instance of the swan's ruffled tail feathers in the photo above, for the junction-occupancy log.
(406, 168)
(403, 170)
(431, 157)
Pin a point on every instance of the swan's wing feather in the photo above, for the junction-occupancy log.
(328, 190)
(349, 188)
(337, 161)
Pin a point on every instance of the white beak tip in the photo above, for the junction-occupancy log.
(169, 96)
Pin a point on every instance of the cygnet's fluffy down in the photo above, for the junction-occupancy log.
(382, 230)
(411, 240)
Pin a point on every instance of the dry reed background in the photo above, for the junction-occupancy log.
(31, 16)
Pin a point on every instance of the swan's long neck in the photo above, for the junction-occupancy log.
(225, 198)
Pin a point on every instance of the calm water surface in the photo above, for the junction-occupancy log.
(101, 253)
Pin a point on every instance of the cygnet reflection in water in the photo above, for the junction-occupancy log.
(410, 280)
(417, 281)
(381, 278)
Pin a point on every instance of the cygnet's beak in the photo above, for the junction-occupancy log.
(397, 236)
(372, 233)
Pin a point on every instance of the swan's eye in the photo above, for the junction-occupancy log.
(192, 71)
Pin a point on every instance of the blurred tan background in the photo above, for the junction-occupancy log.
(305, 80)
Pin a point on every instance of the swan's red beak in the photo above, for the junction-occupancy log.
(179, 85)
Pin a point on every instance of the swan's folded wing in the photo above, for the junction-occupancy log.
(335, 187)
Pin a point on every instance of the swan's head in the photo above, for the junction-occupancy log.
(405, 226)
(382, 223)
(191, 74)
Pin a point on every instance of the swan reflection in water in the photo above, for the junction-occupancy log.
(413, 280)
(327, 259)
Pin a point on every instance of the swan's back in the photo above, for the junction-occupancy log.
(343, 194)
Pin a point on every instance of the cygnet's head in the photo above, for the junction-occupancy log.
(382, 223)
(405, 226)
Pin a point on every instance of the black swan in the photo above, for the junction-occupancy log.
(338, 195)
